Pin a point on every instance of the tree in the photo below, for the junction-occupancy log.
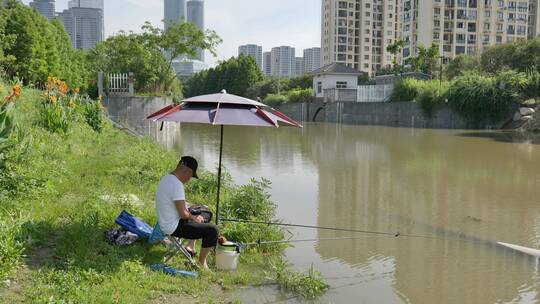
(520, 56)
(461, 64)
(301, 82)
(395, 48)
(36, 48)
(426, 59)
(235, 75)
(179, 39)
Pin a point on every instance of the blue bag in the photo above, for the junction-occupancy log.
(133, 224)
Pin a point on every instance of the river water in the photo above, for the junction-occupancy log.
(464, 190)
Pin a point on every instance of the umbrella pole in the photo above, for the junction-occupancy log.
(219, 175)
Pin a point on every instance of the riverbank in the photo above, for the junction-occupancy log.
(60, 192)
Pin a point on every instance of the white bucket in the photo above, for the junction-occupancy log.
(227, 260)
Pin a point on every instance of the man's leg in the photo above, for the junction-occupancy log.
(207, 232)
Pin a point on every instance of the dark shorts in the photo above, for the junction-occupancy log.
(193, 231)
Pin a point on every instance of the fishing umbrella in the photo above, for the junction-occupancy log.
(223, 109)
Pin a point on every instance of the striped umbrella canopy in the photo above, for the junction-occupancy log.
(223, 109)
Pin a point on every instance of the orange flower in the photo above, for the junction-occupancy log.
(71, 104)
(54, 99)
(62, 87)
(77, 90)
(16, 90)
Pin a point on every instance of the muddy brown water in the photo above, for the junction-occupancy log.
(464, 189)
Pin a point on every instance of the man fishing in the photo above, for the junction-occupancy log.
(172, 211)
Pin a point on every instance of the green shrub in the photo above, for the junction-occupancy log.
(483, 99)
(11, 247)
(275, 99)
(431, 95)
(309, 285)
(406, 89)
(300, 95)
(93, 114)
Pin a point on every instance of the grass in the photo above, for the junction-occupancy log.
(60, 192)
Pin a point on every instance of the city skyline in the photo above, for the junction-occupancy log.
(267, 24)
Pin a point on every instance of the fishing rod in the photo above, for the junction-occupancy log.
(394, 234)
(307, 240)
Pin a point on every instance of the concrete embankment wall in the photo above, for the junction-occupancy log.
(396, 114)
(131, 112)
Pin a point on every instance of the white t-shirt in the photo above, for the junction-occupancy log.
(170, 189)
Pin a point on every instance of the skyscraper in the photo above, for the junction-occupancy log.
(86, 3)
(267, 63)
(312, 59)
(195, 15)
(283, 61)
(92, 4)
(44, 7)
(84, 26)
(174, 11)
(179, 11)
(252, 50)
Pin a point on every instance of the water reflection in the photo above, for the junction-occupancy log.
(427, 182)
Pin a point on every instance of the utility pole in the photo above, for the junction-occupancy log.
(440, 71)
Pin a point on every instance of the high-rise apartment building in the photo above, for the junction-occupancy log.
(84, 26)
(357, 32)
(267, 63)
(44, 7)
(254, 51)
(282, 61)
(298, 66)
(195, 15)
(466, 26)
(312, 59)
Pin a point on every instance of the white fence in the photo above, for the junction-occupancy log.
(367, 93)
(118, 84)
(374, 93)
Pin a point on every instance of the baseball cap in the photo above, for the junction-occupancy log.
(191, 163)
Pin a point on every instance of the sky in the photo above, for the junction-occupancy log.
(296, 23)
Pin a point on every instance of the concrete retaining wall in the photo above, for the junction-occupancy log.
(397, 114)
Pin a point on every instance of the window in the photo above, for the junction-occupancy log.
(342, 31)
(436, 36)
(472, 14)
(487, 14)
(471, 27)
(460, 25)
(341, 84)
(500, 16)
(460, 50)
(341, 57)
(499, 39)
(389, 33)
(366, 57)
(319, 87)
(486, 26)
(437, 10)
(499, 27)
(485, 38)
(521, 30)
(342, 4)
(437, 23)
(368, 5)
(342, 13)
(500, 3)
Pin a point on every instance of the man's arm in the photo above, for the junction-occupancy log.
(184, 212)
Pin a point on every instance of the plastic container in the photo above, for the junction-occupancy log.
(226, 260)
(227, 247)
